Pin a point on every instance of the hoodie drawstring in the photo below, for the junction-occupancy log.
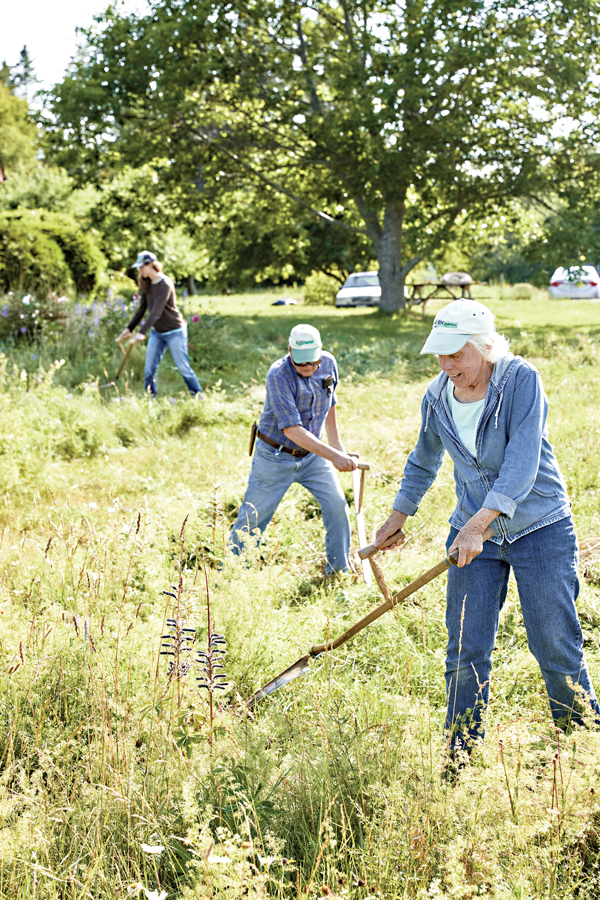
(498, 410)
(427, 416)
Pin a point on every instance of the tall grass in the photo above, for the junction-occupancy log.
(114, 780)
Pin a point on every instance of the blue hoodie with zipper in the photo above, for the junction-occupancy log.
(515, 471)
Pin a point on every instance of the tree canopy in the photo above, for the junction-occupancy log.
(18, 134)
(389, 120)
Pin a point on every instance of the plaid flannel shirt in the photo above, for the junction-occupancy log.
(295, 400)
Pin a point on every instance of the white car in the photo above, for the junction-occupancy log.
(360, 289)
(576, 283)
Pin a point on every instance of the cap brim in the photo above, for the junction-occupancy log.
(306, 354)
(138, 265)
(444, 344)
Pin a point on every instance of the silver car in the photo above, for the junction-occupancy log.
(360, 289)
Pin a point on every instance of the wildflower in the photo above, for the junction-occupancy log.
(23, 330)
(185, 293)
(27, 299)
(5, 310)
(135, 297)
(195, 318)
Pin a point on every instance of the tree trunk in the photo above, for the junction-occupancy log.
(392, 274)
(191, 285)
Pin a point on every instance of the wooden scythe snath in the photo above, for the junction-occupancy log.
(2, 172)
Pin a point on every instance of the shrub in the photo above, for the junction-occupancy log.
(523, 291)
(42, 251)
(320, 289)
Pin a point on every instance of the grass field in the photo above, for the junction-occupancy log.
(118, 781)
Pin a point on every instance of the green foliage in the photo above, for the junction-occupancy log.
(431, 115)
(18, 135)
(41, 251)
(37, 187)
(320, 290)
(253, 236)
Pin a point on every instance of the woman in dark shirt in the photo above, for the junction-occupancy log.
(167, 327)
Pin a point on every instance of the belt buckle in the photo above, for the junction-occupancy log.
(296, 452)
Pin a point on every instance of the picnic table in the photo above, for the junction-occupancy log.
(419, 293)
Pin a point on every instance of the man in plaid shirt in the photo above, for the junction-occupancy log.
(299, 406)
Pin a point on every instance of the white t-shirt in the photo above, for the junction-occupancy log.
(466, 418)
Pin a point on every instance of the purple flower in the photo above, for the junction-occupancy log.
(5, 310)
(135, 296)
(96, 322)
(184, 294)
(23, 330)
(195, 318)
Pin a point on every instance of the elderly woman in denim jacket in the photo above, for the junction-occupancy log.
(487, 409)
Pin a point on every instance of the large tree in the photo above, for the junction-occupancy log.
(393, 120)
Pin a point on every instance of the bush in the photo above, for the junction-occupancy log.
(523, 291)
(320, 289)
(42, 251)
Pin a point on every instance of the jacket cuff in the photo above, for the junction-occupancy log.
(504, 505)
(405, 506)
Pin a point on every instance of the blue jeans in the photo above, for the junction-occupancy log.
(177, 344)
(271, 475)
(544, 563)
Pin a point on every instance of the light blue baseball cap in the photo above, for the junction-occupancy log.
(305, 344)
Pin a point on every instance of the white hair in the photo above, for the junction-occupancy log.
(492, 346)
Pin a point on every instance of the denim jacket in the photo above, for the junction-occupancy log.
(515, 472)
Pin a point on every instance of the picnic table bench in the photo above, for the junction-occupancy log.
(419, 293)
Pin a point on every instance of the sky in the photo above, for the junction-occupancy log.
(48, 31)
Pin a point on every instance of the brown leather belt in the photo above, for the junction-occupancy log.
(273, 443)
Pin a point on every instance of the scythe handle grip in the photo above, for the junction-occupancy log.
(368, 551)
